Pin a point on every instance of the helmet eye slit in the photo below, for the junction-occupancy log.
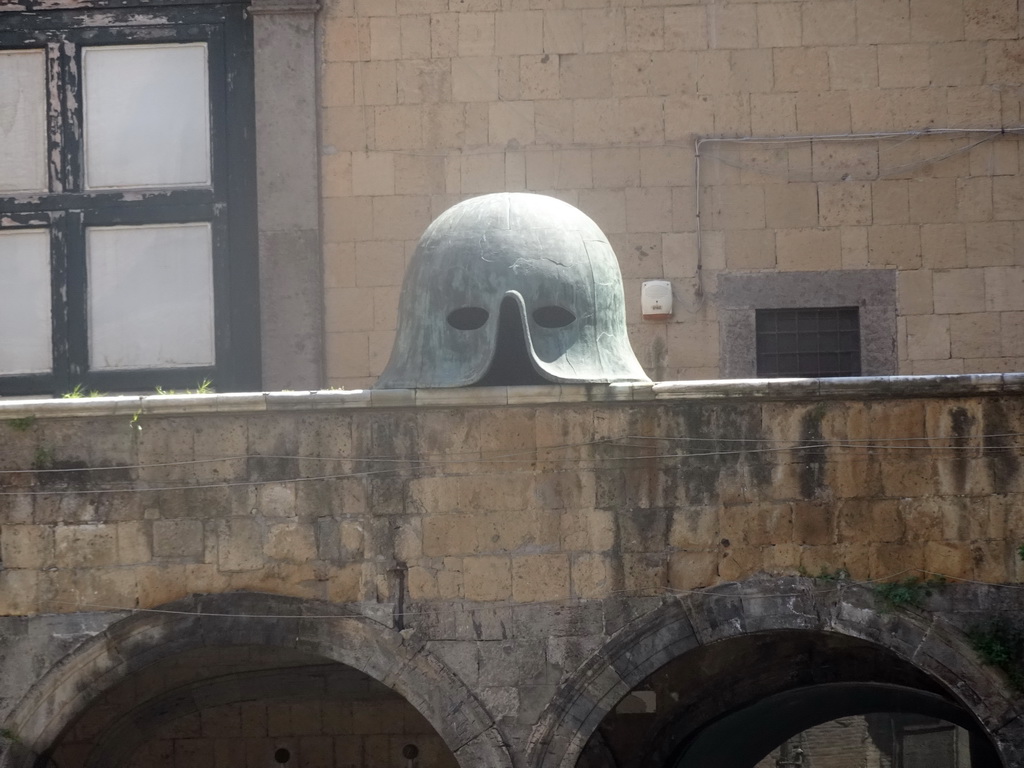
(553, 317)
(468, 318)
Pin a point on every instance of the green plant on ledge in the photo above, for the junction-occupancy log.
(204, 387)
(79, 390)
(907, 593)
(1001, 645)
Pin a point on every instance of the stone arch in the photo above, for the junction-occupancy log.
(770, 605)
(399, 660)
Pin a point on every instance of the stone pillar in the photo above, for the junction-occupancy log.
(288, 190)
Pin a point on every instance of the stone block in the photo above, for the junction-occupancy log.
(592, 575)
(540, 577)
(974, 199)
(890, 202)
(27, 546)
(959, 290)
(693, 570)
(348, 309)
(778, 25)
(1012, 333)
(791, 206)
(487, 578)
(616, 167)
(348, 218)
(936, 22)
(809, 249)
(749, 249)
(415, 36)
(585, 76)
(732, 26)
(828, 22)
(399, 217)
(844, 203)
(336, 174)
(376, 82)
(518, 32)
(539, 77)
(883, 21)
(1004, 289)
(85, 546)
(20, 590)
(853, 68)
(823, 112)
(689, 115)
(476, 34)
(292, 542)
(607, 207)
(604, 29)
(645, 29)
(239, 544)
(991, 244)
(975, 335)
(419, 174)
(694, 345)
(648, 209)
(928, 337)
(133, 542)
(511, 121)
(903, 66)
(563, 31)
(895, 246)
(685, 28)
(554, 122)
(385, 38)
(773, 113)
(854, 244)
(475, 79)
(943, 246)
(737, 207)
(813, 524)
(483, 173)
(800, 69)
(932, 201)
(959, 63)
(397, 127)
(914, 292)
(373, 173)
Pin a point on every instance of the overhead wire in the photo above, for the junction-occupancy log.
(715, 591)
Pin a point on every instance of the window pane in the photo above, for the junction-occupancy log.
(23, 121)
(150, 299)
(25, 302)
(147, 118)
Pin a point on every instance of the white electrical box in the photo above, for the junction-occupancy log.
(656, 300)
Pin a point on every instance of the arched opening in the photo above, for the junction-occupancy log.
(237, 706)
(248, 679)
(729, 676)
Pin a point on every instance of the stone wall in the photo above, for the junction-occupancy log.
(502, 543)
(600, 103)
(532, 502)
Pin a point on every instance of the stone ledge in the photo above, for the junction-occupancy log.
(864, 387)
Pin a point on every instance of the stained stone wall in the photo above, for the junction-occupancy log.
(501, 537)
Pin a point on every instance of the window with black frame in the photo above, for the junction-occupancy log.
(127, 198)
(808, 342)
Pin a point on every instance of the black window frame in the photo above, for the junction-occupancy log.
(228, 203)
(789, 342)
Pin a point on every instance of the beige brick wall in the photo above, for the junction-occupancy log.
(599, 103)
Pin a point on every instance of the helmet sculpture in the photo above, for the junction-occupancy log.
(511, 288)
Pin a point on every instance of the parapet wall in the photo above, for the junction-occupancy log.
(506, 495)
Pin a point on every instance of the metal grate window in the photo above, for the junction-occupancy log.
(808, 342)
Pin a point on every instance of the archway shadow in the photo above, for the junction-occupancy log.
(398, 660)
(695, 631)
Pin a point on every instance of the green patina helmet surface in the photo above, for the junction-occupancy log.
(511, 288)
